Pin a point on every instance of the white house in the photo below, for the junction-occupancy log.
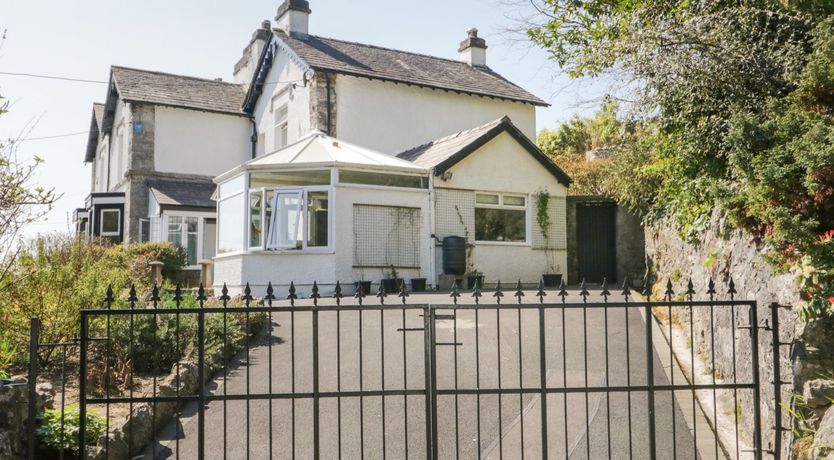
(155, 145)
(325, 210)
(334, 160)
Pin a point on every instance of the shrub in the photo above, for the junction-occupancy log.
(53, 436)
(54, 277)
(153, 343)
(7, 357)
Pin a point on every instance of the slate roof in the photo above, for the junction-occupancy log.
(178, 91)
(95, 131)
(443, 153)
(375, 62)
(175, 192)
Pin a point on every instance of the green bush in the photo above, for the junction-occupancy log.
(54, 277)
(7, 358)
(54, 437)
(153, 343)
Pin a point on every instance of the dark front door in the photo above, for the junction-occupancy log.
(596, 226)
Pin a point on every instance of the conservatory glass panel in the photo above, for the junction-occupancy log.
(230, 229)
(255, 219)
(382, 179)
(286, 220)
(289, 179)
(317, 219)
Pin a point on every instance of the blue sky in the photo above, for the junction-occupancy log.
(205, 38)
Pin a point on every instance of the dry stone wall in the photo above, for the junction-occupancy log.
(723, 253)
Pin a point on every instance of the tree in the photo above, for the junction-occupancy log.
(569, 143)
(737, 98)
(21, 200)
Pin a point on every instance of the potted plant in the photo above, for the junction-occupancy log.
(472, 277)
(551, 277)
(362, 284)
(392, 281)
(418, 284)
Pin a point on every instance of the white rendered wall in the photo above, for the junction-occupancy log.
(195, 142)
(285, 79)
(393, 117)
(346, 197)
(502, 165)
(117, 158)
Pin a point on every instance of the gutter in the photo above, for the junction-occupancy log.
(254, 138)
(329, 105)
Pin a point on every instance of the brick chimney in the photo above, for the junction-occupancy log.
(293, 17)
(473, 49)
(245, 67)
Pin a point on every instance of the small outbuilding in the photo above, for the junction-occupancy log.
(325, 210)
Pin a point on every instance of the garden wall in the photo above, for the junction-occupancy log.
(721, 253)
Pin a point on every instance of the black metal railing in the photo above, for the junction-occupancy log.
(499, 373)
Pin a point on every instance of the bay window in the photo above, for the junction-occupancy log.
(500, 217)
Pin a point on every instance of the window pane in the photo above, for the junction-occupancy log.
(316, 219)
(290, 179)
(209, 238)
(481, 198)
(255, 221)
(191, 231)
(385, 180)
(281, 114)
(287, 219)
(230, 187)
(284, 135)
(110, 221)
(230, 214)
(174, 233)
(144, 230)
(513, 200)
(500, 224)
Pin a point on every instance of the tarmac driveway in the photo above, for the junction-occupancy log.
(580, 425)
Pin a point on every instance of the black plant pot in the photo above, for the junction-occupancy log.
(365, 285)
(471, 279)
(418, 284)
(391, 284)
(552, 279)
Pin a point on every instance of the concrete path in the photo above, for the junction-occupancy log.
(613, 425)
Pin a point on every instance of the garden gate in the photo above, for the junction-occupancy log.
(490, 374)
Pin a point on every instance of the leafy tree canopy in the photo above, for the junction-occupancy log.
(736, 104)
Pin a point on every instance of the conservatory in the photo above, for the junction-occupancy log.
(325, 210)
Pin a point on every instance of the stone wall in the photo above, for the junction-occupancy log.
(14, 415)
(723, 253)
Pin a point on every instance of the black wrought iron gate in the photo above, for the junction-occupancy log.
(529, 375)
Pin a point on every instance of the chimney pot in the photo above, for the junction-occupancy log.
(266, 24)
(293, 17)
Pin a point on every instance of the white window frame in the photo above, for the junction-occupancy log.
(280, 103)
(527, 222)
(101, 231)
(201, 220)
(148, 223)
(267, 244)
(276, 222)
